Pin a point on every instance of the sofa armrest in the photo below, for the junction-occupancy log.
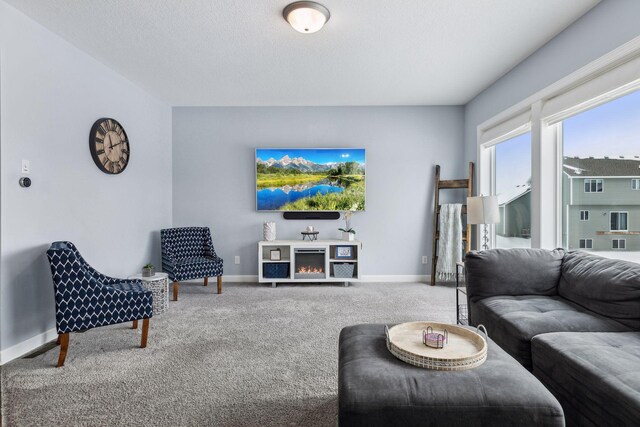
(512, 272)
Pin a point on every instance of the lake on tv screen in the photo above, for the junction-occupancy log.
(310, 179)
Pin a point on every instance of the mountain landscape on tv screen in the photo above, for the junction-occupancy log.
(310, 179)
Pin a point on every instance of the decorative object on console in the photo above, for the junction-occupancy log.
(86, 298)
(311, 235)
(275, 255)
(344, 252)
(466, 349)
(269, 231)
(434, 339)
(274, 270)
(483, 210)
(148, 270)
(343, 270)
(188, 253)
(310, 179)
(348, 233)
(109, 146)
(306, 16)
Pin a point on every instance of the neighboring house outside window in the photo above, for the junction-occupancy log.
(593, 186)
(619, 221)
(635, 184)
(619, 244)
(586, 243)
(601, 216)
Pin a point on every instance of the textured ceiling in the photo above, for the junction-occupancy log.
(371, 52)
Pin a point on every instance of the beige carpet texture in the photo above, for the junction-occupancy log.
(254, 355)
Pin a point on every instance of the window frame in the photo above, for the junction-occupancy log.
(584, 215)
(626, 220)
(588, 243)
(618, 241)
(592, 182)
(635, 184)
(609, 77)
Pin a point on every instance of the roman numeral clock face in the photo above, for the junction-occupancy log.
(109, 146)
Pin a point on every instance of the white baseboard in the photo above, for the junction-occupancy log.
(246, 278)
(396, 278)
(27, 346)
(391, 278)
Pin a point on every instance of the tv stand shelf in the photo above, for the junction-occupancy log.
(319, 261)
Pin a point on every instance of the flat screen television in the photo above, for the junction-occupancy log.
(310, 179)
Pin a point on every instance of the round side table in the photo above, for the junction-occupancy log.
(158, 284)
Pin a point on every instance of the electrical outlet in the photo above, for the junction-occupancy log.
(237, 259)
(425, 259)
(26, 167)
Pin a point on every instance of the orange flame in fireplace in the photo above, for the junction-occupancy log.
(310, 270)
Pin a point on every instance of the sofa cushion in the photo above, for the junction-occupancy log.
(595, 376)
(512, 321)
(606, 286)
(512, 272)
(377, 389)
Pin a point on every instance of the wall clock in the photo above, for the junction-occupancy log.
(109, 146)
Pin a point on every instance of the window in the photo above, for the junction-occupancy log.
(512, 185)
(600, 150)
(584, 133)
(619, 244)
(593, 186)
(619, 221)
(586, 243)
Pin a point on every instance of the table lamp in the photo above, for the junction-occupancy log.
(483, 210)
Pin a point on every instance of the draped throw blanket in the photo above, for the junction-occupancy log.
(450, 242)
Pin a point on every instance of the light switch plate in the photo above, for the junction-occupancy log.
(26, 167)
(425, 260)
(237, 260)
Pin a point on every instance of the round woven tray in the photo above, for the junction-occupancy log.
(465, 349)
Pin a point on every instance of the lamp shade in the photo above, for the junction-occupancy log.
(483, 210)
(306, 16)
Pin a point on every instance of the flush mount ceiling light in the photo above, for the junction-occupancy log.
(306, 16)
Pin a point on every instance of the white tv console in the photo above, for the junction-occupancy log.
(303, 261)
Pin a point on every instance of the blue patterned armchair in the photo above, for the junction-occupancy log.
(87, 299)
(187, 254)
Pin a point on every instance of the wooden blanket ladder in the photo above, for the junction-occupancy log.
(466, 235)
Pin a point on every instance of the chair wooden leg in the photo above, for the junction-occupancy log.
(58, 340)
(64, 346)
(145, 332)
(206, 281)
(135, 325)
(175, 291)
(220, 284)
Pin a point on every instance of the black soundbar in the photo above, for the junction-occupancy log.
(311, 215)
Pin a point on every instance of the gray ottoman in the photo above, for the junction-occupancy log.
(376, 389)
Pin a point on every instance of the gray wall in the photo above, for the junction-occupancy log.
(602, 29)
(51, 93)
(214, 181)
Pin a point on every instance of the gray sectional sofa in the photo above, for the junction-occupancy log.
(572, 318)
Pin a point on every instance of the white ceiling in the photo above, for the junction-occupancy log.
(371, 52)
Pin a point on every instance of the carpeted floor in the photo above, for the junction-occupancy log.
(251, 356)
